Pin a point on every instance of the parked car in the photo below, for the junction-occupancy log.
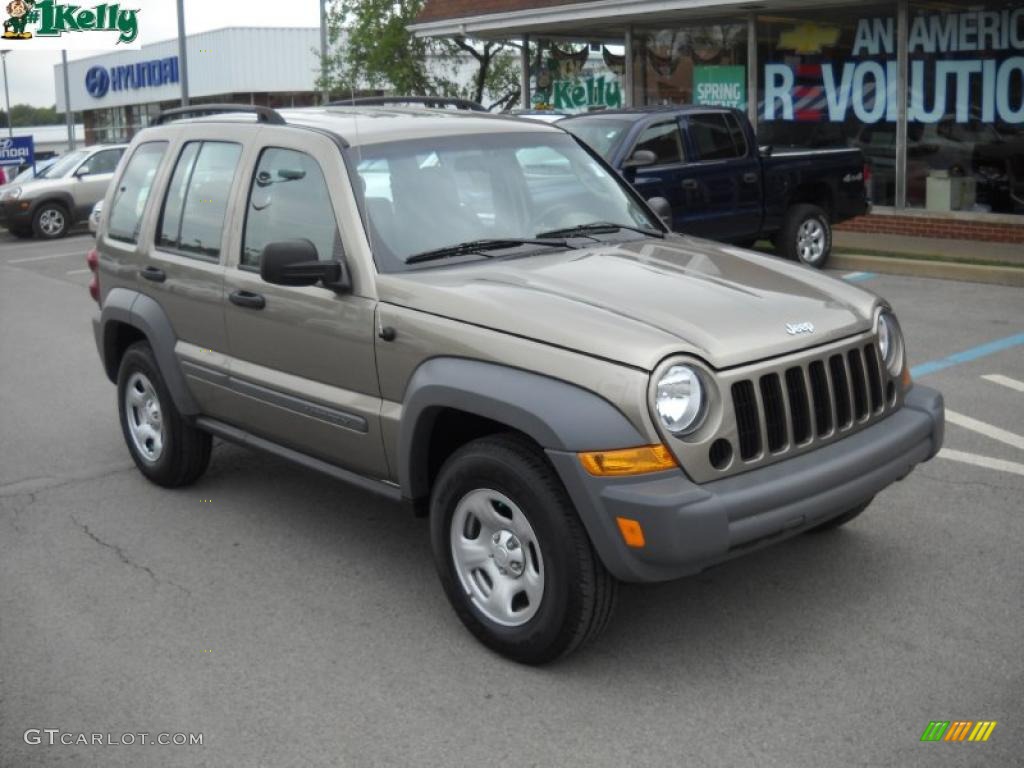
(705, 162)
(49, 205)
(95, 216)
(500, 332)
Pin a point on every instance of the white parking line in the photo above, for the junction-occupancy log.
(985, 429)
(46, 256)
(982, 461)
(77, 271)
(1006, 381)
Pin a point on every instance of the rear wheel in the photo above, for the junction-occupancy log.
(843, 519)
(512, 554)
(50, 221)
(806, 236)
(166, 448)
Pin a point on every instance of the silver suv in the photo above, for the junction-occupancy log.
(477, 316)
(62, 195)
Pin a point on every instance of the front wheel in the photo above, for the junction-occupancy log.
(50, 221)
(806, 236)
(512, 553)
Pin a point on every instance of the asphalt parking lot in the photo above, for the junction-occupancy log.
(293, 621)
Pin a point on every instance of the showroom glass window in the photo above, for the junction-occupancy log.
(830, 79)
(702, 64)
(965, 129)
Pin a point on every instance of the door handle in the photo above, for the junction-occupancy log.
(248, 299)
(690, 184)
(750, 177)
(155, 274)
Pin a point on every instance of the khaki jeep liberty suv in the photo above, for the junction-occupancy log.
(476, 315)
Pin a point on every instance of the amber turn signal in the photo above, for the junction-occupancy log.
(631, 532)
(905, 380)
(628, 461)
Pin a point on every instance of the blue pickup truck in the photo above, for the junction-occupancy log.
(715, 182)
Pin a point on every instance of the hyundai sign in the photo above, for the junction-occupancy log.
(17, 151)
(144, 74)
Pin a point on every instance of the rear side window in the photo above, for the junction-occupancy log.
(664, 140)
(717, 137)
(192, 220)
(133, 191)
(288, 201)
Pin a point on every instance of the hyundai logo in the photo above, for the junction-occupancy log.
(97, 82)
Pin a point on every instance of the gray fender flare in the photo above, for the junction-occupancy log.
(122, 305)
(557, 415)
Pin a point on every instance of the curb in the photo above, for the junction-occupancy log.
(939, 270)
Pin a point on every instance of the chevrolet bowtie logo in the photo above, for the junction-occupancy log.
(808, 38)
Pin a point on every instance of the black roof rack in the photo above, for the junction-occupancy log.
(437, 102)
(263, 114)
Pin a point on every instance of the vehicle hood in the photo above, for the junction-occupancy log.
(34, 187)
(638, 302)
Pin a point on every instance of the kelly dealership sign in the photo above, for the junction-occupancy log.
(963, 66)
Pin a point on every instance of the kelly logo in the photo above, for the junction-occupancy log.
(55, 19)
(958, 730)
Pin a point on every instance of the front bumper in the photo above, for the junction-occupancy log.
(689, 527)
(16, 212)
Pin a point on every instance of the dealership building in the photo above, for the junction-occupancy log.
(122, 91)
(932, 91)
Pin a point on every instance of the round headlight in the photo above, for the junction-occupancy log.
(890, 343)
(679, 400)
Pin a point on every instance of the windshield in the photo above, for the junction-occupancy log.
(602, 134)
(428, 194)
(40, 170)
(65, 164)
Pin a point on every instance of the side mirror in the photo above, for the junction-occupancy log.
(640, 159)
(663, 209)
(294, 262)
(82, 171)
(765, 150)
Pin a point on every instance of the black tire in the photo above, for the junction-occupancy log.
(51, 212)
(185, 452)
(578, 595)
(788, 242)
(843, 519)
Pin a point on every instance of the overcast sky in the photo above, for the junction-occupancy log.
(31, 73)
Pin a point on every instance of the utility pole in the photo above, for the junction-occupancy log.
(182, 54)
(7, 94)
(325, 92)
(68, 112)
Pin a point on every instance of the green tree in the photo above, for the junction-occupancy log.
(24, 115)
(370, 48)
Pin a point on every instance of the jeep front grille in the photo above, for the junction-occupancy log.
(840, 390)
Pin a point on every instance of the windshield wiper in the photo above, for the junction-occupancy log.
(481, 247)
(599, 228)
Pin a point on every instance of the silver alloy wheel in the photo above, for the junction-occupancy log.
(145, 421)
(51, 221)
(810, 241)
(497, 557)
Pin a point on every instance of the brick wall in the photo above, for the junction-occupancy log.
(926, 226)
